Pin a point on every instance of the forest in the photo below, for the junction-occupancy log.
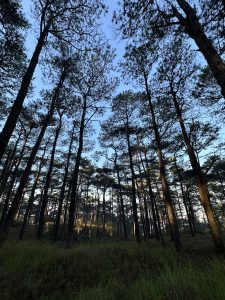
(112, 149)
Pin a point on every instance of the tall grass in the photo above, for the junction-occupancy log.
(107, 271)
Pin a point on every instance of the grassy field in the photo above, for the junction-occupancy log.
(30, 270)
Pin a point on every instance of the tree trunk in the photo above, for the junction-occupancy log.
(162, 171)
(141, 210)
(62, 190)
(151, 197)
(18, 103)
(147, 224)
(184, 199)
(5, 175)
(134, 204)
(97, 215)
(74, 180)
(201, 181)
(31, 198)
(13, 179)
(196, 32)
(121, 197)
(44, 201)
(16, 201)
(103, 211)
(190, 207)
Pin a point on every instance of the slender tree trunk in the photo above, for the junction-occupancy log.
(14, 176)
(103, 211)
(97, 215)
(62, 190)
(120, 197)
(13, 179)
(151, 197)
(31, 198)
(147, 224)
(158, 221)
(16, 200)
(142, 217)
(195, 30)
(162, 171)
(44, 202)
(134, 204)
(5, 175)
(74, 181)
(6, 164)
(201, 181)
(190, 207)
(18, 103)
(184, 199)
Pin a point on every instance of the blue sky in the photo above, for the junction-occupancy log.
(108, 30)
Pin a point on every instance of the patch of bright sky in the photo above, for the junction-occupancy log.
(110, 33)
(114, 39)
(107, 28)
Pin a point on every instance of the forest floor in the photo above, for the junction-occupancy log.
(111, 270)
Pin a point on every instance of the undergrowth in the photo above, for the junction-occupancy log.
(31, 270)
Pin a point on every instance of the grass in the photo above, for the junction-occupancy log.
(108, 271)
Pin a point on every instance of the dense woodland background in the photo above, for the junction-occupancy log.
(153, 166)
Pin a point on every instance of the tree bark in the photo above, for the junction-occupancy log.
(103, 211)
(74, 180)
(195, 30)
(190, 222)
(121, 197)
(16, 201)
(200, 179)
(62, 190)
(162, 171)
(134, 203)
(44, 201)
(18, 103)
(146, 215)
(31, 198)
(13, 179)
(5, 175)
(151, 196)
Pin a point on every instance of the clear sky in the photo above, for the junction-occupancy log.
(107, 28)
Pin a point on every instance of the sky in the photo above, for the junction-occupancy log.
(109, 31)
(107, 28)
(113, 38)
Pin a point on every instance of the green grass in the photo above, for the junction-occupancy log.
(31, 270)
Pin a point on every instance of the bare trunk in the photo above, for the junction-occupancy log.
(121, 198)
(74, 180)
(62, 191)
(134, 204)
(201, 181)
(5, 175)
(103, 212)
(18, 103)
(196, 32)
(151, 197)
(190, 222)
(13, 179)
(16, 201)
(162, 171)
(146, 218)
(31, 198)
(44, 202)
